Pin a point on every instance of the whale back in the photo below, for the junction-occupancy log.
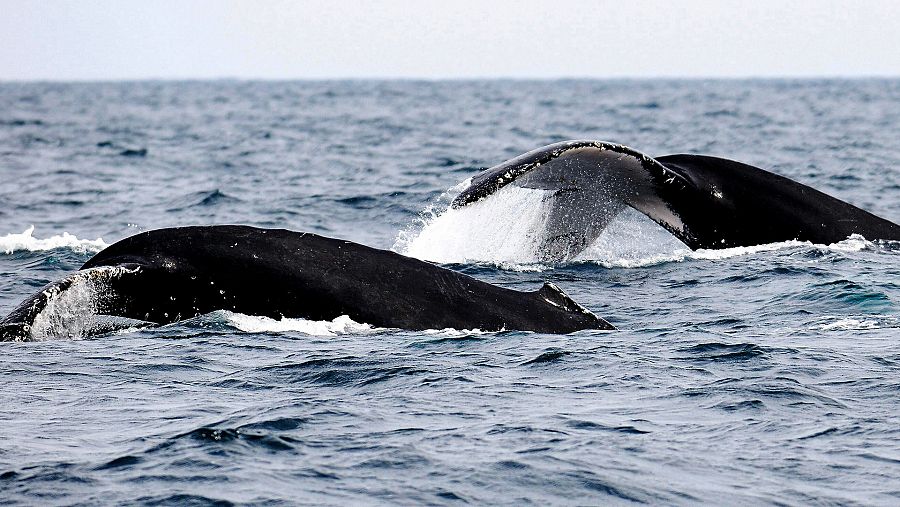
(168, 275)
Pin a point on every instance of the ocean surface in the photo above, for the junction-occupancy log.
(763, 375)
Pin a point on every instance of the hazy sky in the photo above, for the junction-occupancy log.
(134, 39)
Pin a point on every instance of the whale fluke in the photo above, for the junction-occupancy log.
(706, 202)
(724, 203)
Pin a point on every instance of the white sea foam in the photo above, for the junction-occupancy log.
(638, 242)
(855, 243)
(342, 325)
(849, 325)
(450, 332)
(255, 324)
(26, 241)
(858, 323)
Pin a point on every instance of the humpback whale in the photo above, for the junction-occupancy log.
(706, 202)
(168, 275)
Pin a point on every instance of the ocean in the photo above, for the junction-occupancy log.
(758, 375)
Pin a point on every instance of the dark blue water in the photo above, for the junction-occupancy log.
(759, 375)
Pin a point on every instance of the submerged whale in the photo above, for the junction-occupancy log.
(169, 275)
(706, 202)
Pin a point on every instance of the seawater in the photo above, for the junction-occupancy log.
(759, 375)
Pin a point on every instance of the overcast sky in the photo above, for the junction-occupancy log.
(136, 39)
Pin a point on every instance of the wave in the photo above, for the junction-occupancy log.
(26, 241)
(202, 199)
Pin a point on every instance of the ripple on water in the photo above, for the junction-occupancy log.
(550, 356)
(336, 372)
(715, 351)
(751, 375)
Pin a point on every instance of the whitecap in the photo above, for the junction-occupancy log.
(25, 241)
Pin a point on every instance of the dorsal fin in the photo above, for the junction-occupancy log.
(555, 296)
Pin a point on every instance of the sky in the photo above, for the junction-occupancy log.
(279, 39)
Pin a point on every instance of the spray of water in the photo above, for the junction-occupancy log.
(73, 311)
(509, 227)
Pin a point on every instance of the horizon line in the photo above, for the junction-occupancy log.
(662, 77)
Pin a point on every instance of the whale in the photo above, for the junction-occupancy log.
(706, 202)
(169, 275)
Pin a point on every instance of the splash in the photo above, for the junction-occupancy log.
(508, 230)
(505, 229)
(633, 240)
(25, 241)
(254, 324)
(72, 311)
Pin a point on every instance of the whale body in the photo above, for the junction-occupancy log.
(706, 202)
(169, 275)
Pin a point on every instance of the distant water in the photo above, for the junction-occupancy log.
(758, 375)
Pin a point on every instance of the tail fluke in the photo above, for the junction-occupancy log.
(706, 202)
